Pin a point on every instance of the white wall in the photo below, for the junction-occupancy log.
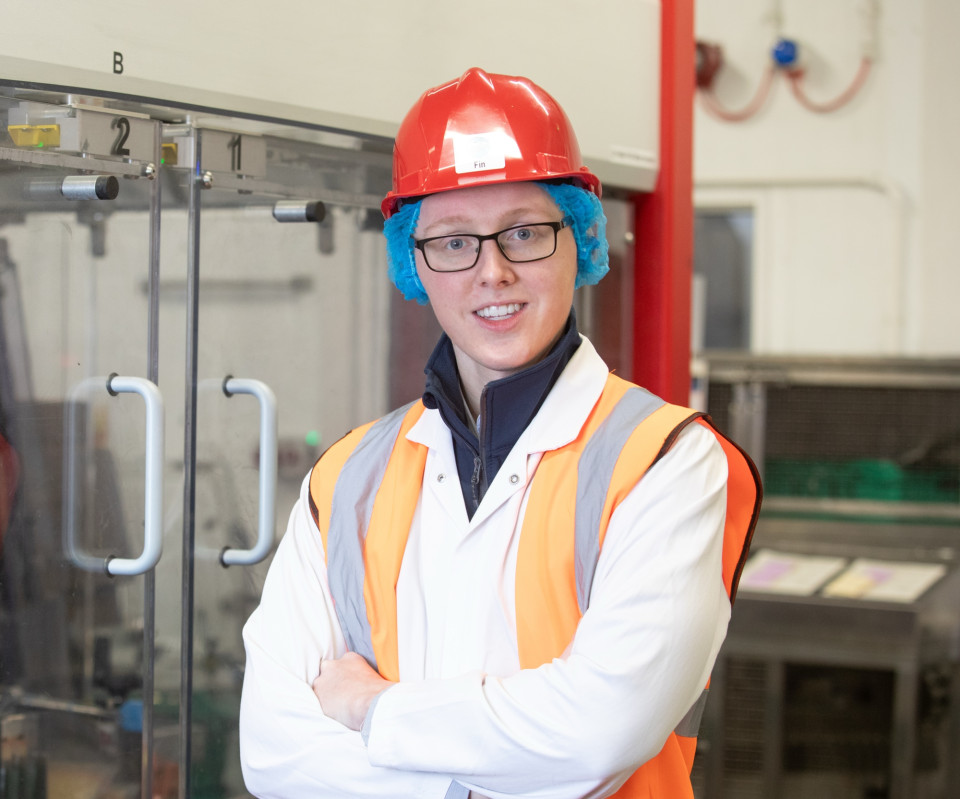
(358, 66)
(856, 233)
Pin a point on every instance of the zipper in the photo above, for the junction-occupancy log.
(475, 481)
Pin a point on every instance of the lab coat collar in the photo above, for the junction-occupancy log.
(559, 419)
(507, 407)
(558, 422)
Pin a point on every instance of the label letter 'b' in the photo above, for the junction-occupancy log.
(117, 63)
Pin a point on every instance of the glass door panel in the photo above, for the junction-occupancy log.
(293, 327)
(81, 448)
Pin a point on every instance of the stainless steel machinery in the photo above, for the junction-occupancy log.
(185, 301)
(840, 676)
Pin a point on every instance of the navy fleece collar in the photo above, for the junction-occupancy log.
(506, 408)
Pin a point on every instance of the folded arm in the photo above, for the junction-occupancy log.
(288, 746)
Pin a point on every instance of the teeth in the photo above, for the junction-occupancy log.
(499, 311)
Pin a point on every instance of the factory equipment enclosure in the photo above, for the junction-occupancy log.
(840, 673)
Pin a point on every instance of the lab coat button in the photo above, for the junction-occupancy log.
(441, 477)
(514, 478)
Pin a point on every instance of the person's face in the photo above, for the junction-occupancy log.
(500, 316)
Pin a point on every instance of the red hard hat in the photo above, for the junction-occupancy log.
(482, 129)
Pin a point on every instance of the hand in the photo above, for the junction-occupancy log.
(346, 687)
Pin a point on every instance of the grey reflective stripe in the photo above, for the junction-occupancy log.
(689, 725)
(594, 472)
(351, 509)
(457, 791)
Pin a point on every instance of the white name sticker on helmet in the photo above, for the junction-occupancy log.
(479, 152)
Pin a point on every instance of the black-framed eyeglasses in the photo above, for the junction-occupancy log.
(519, 244)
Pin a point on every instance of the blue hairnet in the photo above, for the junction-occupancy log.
(589, 229)
(582, 207)
(401, 264)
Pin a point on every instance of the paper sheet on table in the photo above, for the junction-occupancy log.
(891, 581)
(785, 573)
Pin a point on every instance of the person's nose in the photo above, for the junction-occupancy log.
(492, 267)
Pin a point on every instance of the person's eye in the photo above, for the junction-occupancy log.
(522, 235)
(455, 244)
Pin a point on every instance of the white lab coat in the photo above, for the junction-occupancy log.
(463, 709)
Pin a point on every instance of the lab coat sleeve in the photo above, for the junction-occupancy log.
(288, 747)
(642, 654)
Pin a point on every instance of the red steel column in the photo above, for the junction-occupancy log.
(663, 223)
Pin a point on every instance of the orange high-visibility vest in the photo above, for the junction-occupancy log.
(365, 489)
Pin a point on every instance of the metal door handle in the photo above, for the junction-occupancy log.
(153, 479)
(268, 471)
